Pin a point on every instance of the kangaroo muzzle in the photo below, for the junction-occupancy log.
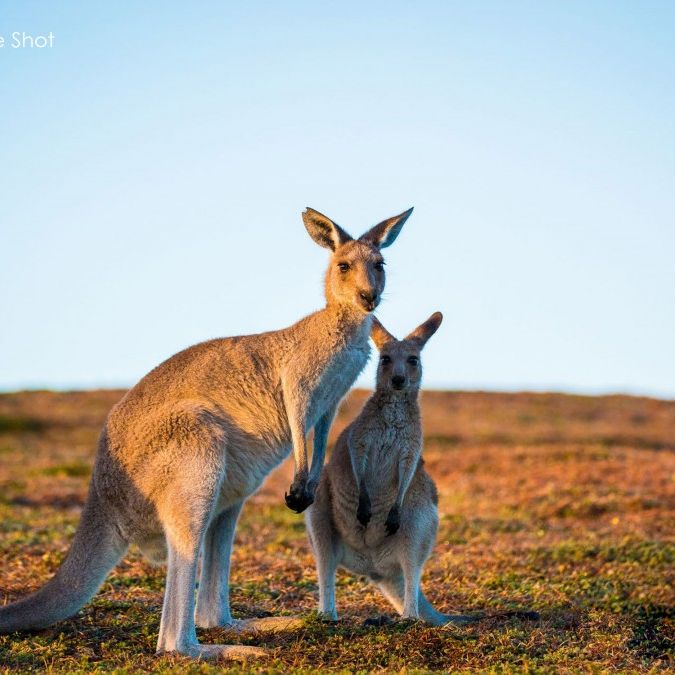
(398, 381)
(368, 300)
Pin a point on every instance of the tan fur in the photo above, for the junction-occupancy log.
(181, 452)
(375, 511)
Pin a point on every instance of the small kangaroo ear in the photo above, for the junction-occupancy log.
(323, 230)
(425, 330)
(385, 233)
(380, 334)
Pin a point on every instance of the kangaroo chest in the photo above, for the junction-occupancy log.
(337, 377)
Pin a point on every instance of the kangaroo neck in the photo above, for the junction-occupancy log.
(392, 429)
(397, 409)
(405, 402)
(347, 323)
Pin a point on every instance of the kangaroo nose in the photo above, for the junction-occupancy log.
(367, 300)
(398, 381)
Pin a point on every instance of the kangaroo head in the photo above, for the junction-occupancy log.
(355, 275)
(400, 366)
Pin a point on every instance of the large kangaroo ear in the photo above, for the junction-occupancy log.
(385, 233)
(380, 334)
(424, 331)
(323, 230)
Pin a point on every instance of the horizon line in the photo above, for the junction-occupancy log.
(467, 387)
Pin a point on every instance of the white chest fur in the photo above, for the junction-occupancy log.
(338, 376)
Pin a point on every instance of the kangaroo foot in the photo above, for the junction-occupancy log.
(327, 617)
(266, 624)
(216, 652)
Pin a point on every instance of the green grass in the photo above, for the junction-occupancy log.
(15, 424)
(580, 532)
(74, 469)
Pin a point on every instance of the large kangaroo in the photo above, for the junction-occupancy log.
(376, 507)
(181, 452)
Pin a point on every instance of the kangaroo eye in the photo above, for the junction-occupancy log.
(379, 266)
(413, 360)
(343, 267)
(385, 359)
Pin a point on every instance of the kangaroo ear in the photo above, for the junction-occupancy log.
(385, 233)
(425, 330)
(323, 230)
(380, 334)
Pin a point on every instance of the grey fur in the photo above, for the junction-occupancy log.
(181, 452)
(375, 512)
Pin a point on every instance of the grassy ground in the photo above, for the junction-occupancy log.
(561, 504)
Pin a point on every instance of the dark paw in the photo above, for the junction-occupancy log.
(300, 497)
(393, 521)
(363, 513)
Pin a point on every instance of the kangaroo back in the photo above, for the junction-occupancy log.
(96, 549)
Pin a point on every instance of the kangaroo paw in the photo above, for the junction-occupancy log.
(363, 513)
(393, 521)
(299, 497)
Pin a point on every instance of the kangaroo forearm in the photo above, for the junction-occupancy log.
(301, 493)
(321, 431)
(359, 460)
(406, 471)
(296, 407)
(300, 452)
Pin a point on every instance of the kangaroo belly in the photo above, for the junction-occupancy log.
(371, 541)
(377, 563)
(246, 467)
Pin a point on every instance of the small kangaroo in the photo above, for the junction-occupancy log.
(185, 447)
(375, 511)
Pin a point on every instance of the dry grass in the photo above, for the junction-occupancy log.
(563, 504)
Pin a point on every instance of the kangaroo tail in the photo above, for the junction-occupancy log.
(431, 615)
(96, 549)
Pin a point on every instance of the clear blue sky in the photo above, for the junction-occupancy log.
(155, 161)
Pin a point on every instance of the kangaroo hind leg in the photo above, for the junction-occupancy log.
(403, 590)
(326, 567)
(326, 547)
(394, 590)
(213, 598)
(185, 509)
